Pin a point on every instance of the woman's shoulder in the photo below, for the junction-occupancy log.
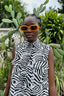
(45, 46)
(51, 51)
(20, 45)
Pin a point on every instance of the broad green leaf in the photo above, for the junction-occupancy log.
(54, 34)
(34, 10)
(13, 14)
(12, 44)
(41, 10)
(3, 38)
(46, 2)
(10, 8)
(7, 20)
(6, 8)
(1, 24)
(38, 9)
(59, 37)
(57, 80)
(61, 31)
(41, 6)
(20, 22)
(3, 46)
(15, 22)
(18, 16)
(37, 13)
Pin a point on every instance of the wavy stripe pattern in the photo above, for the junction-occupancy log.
(30, 70)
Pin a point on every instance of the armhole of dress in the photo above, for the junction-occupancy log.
(48, 54)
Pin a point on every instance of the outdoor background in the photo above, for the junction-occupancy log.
(51, 13)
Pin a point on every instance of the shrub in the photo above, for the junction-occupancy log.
(52, 26)
(17, 6)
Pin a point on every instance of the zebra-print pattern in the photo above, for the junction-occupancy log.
(30, 70)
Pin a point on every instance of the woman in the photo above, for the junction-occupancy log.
(32, 70)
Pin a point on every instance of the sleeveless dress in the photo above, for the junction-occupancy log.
(30, 70)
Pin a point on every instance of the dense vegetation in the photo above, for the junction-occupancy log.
(17, 6)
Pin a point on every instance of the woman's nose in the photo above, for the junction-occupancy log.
(29, 30)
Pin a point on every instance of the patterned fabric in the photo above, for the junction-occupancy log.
(30, 70)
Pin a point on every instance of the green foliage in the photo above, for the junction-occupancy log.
(7, 65)
(7, 36)
(6, 21)
(6, 50)
(40, 9)
(1, 80)
(56, 53)
(12, 14)
(9, 9)
(54, 24)
(16, 21)
(46, 2)
(1, 93)
(1, 24)
(6, 7)
(59, 66)
(4, 72)
(3, 46)
(60, 51)
(59, 75)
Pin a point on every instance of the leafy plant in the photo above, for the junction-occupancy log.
(54, 24)
(5, 8)
(16, 21)
(59, 75)
(40, 9)
(5, 50)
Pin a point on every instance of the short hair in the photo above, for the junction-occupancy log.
(33, 15)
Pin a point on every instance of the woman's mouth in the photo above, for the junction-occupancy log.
(29, 35)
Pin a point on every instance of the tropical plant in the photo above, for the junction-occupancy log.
(52, 26)
(16, 20)
(59, 76)
(17, 6)
(40, 9)
(6, 49)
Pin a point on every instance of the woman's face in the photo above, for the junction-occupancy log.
(31, 36)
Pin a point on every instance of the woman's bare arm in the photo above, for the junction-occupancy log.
(9, 79)
(8, 83)
(52, 87)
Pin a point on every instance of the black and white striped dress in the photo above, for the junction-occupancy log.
(30, 70)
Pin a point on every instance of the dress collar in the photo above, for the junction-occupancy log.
(35, 43)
